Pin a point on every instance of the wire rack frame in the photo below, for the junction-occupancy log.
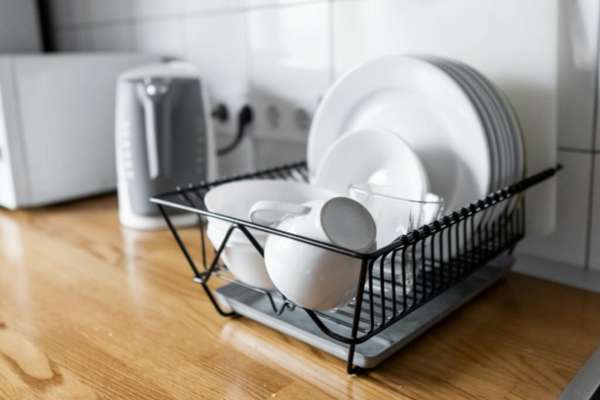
(394, 280)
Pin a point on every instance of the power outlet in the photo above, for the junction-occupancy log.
(241, 159)
(280, 119)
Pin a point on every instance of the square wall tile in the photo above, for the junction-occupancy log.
(67, 13)
(108, 10)
(595, 231)
(577, 69)
(114, 37)
(60, 14)
(217, 44)
(276, 3)
(164, 37)
(471, 31)
(275, 152)
(200, 6)
(290, 67)
(240, 160)
(522, 60)
(568, 242)
(72, 40)
(140, 9)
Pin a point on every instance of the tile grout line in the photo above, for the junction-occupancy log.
(588, 244)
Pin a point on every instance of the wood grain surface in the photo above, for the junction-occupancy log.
(89, 310)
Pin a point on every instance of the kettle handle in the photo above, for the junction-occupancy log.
(151, 138)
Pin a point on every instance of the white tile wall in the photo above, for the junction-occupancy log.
(224, 65)
(156, 8)
(578, 44)
(72, 39)
(163, 36)
(19, 27)
(109, 37)
(203, 6)
(66, 13)
(273, 152)
(217, 44)
(281, 55)
(289, 67)
(238, 5)
(100, 11)
(568, 242)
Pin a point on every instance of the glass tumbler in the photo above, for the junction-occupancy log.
(395, 216)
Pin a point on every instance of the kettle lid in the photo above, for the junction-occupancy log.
(171, 70)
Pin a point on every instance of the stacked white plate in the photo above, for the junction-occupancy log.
(460, 125)
(498, 117)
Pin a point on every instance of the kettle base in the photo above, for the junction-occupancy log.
(144, 223)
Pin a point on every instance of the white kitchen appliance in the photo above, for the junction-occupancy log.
(56, 125)
(164, 139)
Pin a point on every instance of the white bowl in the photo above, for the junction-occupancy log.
(243, 261)
(235, 199)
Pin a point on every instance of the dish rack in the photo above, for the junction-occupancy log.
(404, 288)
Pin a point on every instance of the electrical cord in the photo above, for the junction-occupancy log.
(245, 118)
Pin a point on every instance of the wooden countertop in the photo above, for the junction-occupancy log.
(89, 310)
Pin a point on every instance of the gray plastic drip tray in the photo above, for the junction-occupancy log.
(297, 323)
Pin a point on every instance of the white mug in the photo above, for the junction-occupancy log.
(308, 275)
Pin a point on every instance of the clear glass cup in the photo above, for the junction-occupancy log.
(395, 216)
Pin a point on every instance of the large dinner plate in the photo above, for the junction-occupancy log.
(514, 156)
(426, 107)
(514, 131)
(490, 122)
(506, 131)
(485, 116)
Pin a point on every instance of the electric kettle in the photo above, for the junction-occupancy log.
(164, 139)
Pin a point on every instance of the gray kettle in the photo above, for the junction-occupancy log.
(164, 139)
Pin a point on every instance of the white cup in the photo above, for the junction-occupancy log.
(310, 276)
(234, 199)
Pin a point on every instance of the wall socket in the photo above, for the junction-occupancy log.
(280, 119)
(241, 159)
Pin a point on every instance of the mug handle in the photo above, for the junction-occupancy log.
(267, 212)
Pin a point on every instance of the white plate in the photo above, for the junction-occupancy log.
(520, 172)
(505, 132)
(426, 107)
(490, 123)
(484, 115)
(501, 133)
(373, 156)
(515, 135)
(515, 157)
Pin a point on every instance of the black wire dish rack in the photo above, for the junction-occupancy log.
(404, 288)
